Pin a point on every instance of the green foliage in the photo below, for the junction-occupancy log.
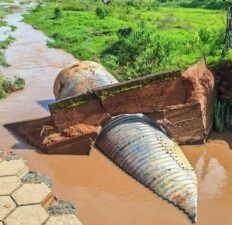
(222, 116)
(100, 13)
(8, 85)
(3, 93)
(57, 13)
(173, 37)
(4, 44)
(211, 40)
(141, 52)
(12, 85)
(206, 4)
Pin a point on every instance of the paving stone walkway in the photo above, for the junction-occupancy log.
(26, 197)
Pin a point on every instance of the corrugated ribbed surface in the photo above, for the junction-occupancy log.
(143, 150)
(81, 77)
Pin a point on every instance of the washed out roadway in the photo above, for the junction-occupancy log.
(103, 194)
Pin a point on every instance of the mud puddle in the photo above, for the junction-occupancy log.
(103, 194)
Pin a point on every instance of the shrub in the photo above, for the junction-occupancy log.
(141, 52)
(211, 40)
(57, 13)
(100, 13)
(3, 93)
(10, 85)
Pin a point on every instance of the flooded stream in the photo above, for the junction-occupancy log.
(104, 194)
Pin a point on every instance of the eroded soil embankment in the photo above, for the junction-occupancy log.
(104, 194)
(224, 73)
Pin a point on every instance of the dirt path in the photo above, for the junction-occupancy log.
(104, 195)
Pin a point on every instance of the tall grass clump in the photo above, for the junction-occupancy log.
(8, 85)
(211, 40)
(100, 13)
(222, 116)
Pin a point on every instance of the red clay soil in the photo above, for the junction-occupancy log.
(191, 122)
(224, 73)
(42, 134)
(91, 114)
(152, 97)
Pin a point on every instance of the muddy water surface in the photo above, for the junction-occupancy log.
(104, 194)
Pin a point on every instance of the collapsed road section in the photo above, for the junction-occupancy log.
(180, 102)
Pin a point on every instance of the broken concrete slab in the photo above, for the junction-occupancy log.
(42, 134)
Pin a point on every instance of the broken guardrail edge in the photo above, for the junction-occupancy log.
(103, 92)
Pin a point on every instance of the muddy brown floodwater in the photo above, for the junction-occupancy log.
(104, 194)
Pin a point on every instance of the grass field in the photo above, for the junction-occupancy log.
(161, 36)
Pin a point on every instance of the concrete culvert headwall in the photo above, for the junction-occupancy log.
(142, 149)
(81, 77)
(135, 142)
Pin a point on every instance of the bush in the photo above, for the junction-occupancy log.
(141, 52)
(100, 13)
(3, 93)
(57, 13)
(8, 86)
(211, 40)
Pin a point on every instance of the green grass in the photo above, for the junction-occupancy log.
(222, 116)
(7, 86)
(191, 32)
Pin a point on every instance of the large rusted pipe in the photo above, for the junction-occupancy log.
(81, 77)
(135, 143)
(142, 149)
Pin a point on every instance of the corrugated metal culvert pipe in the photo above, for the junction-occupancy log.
(142, 149)
(81, 77)
(135, 143)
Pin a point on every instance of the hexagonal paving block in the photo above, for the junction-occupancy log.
(68, 219)
(13, 167)
(6, 206)
(31, 194)
(9, 184)
(27, 215)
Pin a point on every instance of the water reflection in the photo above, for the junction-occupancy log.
(211, 176)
